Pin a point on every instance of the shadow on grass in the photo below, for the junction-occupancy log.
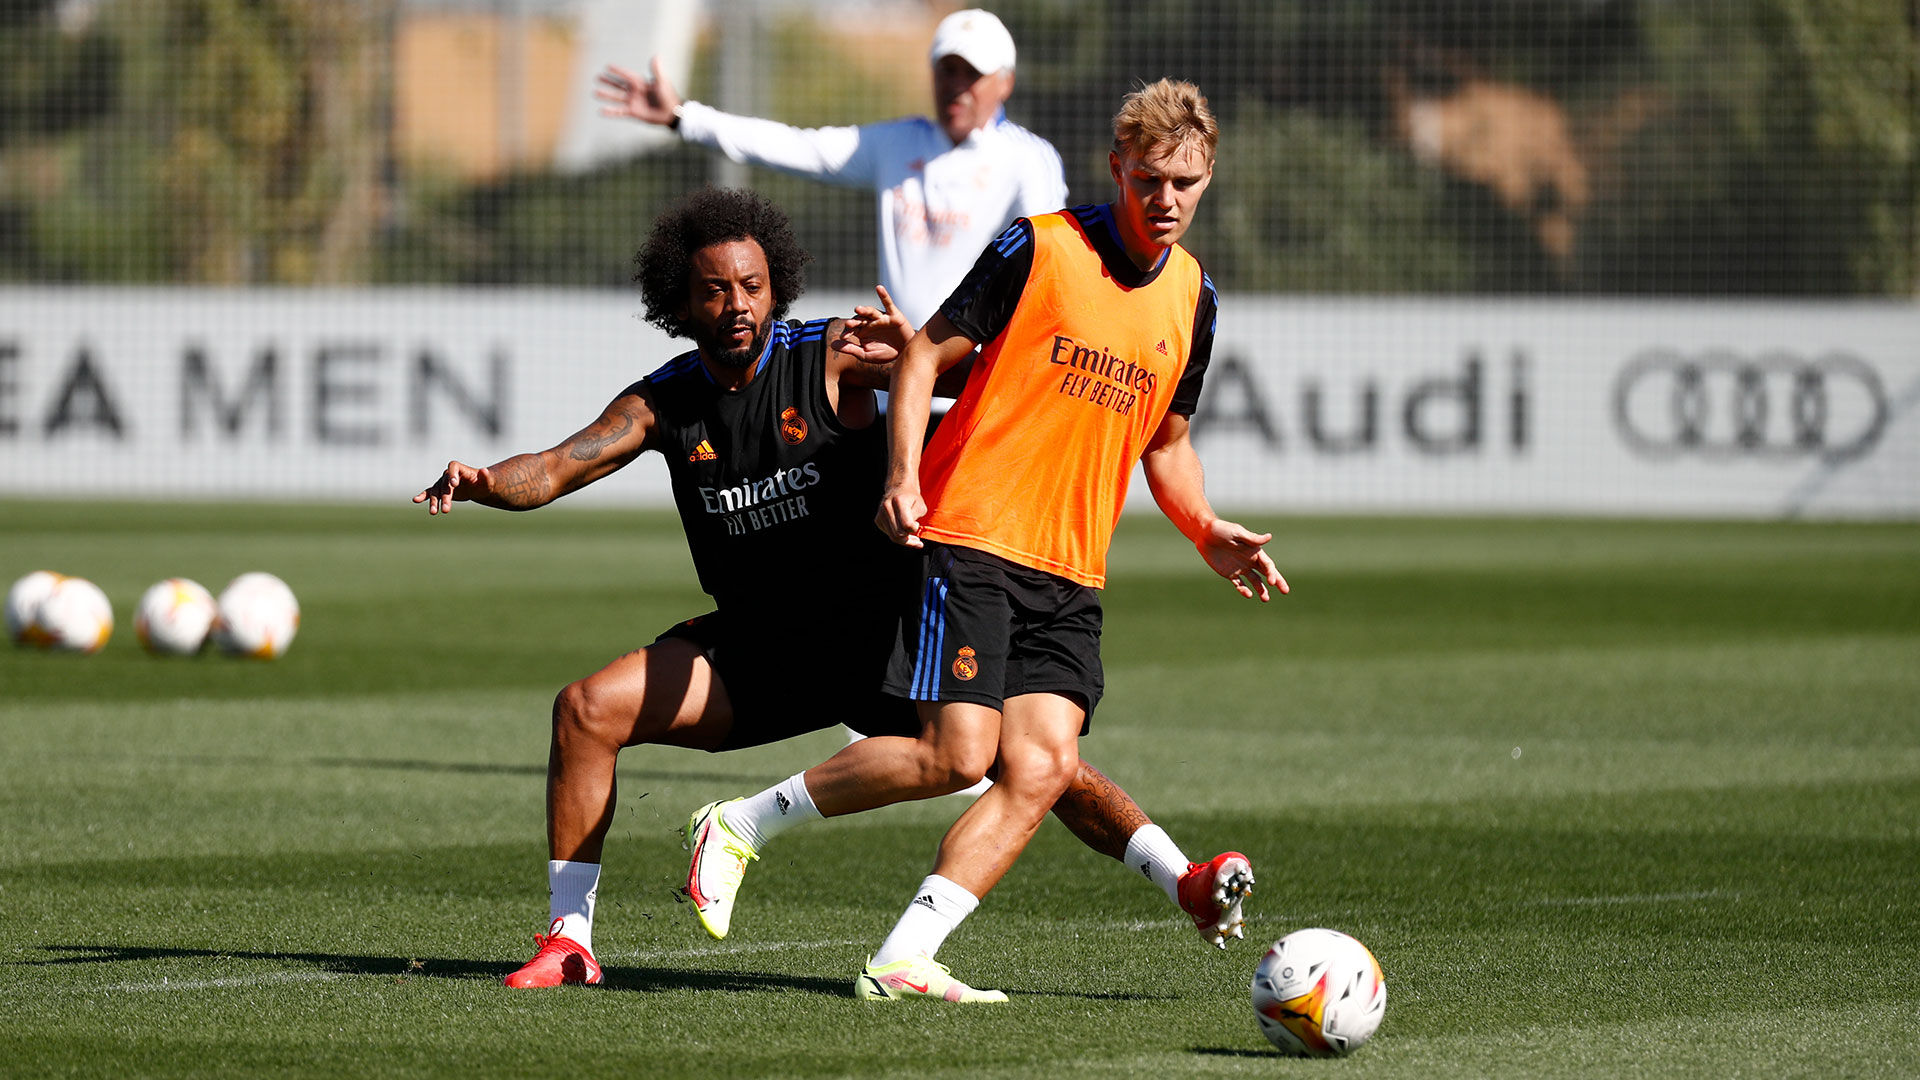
(635, 979)
(339, 963)
(1230, 1051)
(406, 765)
(442, 967)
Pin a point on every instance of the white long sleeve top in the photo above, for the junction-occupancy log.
(939, 203)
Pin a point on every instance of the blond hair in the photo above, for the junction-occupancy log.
(1164, 116)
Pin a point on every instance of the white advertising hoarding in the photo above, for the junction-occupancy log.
(1312, 404)
(293, 394)
(1613, 407)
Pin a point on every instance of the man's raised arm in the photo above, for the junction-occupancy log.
(832, 154)
(527, 481)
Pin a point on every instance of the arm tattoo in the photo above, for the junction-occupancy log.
(867, 374)
(1099, 813)
(521, 483)
(591, 443)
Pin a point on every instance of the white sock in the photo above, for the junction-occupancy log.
(938, 908)
(759, 818)
(571, 890)
(1151, 852)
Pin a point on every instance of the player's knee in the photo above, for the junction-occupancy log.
(950, 765)
(967, 766)
(1062, 765)
(1041, 770)
(956, 747)
(577, 715)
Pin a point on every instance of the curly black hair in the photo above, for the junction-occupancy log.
(707, 217)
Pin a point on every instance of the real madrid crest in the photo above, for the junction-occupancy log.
(793, 426)
(964, 665)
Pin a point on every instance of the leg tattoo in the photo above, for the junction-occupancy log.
(1099, 813)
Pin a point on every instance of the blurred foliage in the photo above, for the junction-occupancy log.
(1763, 147)
(1793, 127)
(550, 229)
(1719, 147)
(1304, 203)
(530, 229)
(229, 141)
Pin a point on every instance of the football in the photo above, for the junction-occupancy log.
(23, 607)
(1318, 993)
(173, 617)
(258, 616)
(75, 616)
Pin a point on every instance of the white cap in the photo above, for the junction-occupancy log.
(974, 36)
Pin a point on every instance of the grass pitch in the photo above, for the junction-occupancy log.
(1606, 799)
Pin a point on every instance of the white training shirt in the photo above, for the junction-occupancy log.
(940, 204)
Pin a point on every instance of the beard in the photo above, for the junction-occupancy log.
(711, 347)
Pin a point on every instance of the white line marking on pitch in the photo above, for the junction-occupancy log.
(1642, 898)
(1137, 926)
(210, 984)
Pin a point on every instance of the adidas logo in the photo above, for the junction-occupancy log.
(1162, 347)
(703, 452)
(780, 800)
(1146, 871)
(925, 900)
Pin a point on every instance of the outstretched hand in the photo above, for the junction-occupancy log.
(876, 334)
(1239, 556)
(651, 99)
(459, 483)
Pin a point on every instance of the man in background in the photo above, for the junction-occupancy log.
(946, 185)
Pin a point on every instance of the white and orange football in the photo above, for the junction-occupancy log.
(258, 617)
(75, 616)
(1318, 993)
(174, 617)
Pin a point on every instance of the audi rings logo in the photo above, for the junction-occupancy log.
(1721, 404)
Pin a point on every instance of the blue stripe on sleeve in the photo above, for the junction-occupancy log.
(676, 366)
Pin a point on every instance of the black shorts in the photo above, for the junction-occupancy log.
(784, 684)
(988, 629)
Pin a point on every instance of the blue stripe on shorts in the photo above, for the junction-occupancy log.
(933, 636)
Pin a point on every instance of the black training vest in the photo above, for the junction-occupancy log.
(777, 497)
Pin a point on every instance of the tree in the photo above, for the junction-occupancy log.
(235, 141)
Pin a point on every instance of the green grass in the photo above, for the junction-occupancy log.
(1606, 798)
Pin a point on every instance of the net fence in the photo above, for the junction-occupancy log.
(1663, 147)
(1699, 166)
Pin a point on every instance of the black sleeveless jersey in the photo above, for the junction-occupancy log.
(777, 497)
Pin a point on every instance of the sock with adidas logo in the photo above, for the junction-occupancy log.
(938, 907)
(759, 818)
